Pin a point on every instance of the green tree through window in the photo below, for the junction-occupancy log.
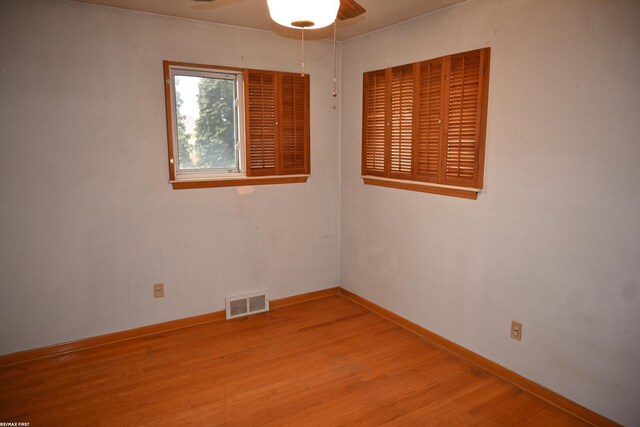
(215, 145)
(184, 146)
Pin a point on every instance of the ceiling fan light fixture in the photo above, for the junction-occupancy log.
(308, 14)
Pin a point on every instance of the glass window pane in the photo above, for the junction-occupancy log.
(205, 123)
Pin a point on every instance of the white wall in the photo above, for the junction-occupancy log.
(88, 218)
(554, 239)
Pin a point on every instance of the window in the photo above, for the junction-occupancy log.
(229, 127)
(206, 122)
(424, 125)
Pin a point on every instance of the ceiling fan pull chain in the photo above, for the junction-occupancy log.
(302, 74)
(335, 93)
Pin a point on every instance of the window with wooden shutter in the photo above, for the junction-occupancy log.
(425, 123)
(264, 114)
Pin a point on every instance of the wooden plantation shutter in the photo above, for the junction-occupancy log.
(277, 123)
(430, 116)
(260, 118)
(426, 121)
(402, 93)
(464, 84)
(374, 123)
(294, 123)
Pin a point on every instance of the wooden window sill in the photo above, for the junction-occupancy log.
(444, 190)
(238, 182)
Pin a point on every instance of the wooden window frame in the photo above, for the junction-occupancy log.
(460, 154)
(247, 176)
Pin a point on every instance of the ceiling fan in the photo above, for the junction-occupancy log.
(305, 11)
(309, 14)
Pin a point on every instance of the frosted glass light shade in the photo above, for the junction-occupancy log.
(314, 13)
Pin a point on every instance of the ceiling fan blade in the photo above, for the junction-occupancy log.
(349, 9)
(211, 4)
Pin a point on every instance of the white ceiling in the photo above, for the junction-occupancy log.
(254, 13)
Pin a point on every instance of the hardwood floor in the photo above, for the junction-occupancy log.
(322, 362)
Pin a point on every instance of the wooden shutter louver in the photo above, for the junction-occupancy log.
(260, 104)
(430, 118)
(462, 143)
(402, 94)
(374, 123)
(294, 124)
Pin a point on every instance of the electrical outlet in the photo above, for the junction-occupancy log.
(158, 290)
(516, 330)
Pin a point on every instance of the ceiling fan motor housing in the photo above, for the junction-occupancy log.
(307, 14)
